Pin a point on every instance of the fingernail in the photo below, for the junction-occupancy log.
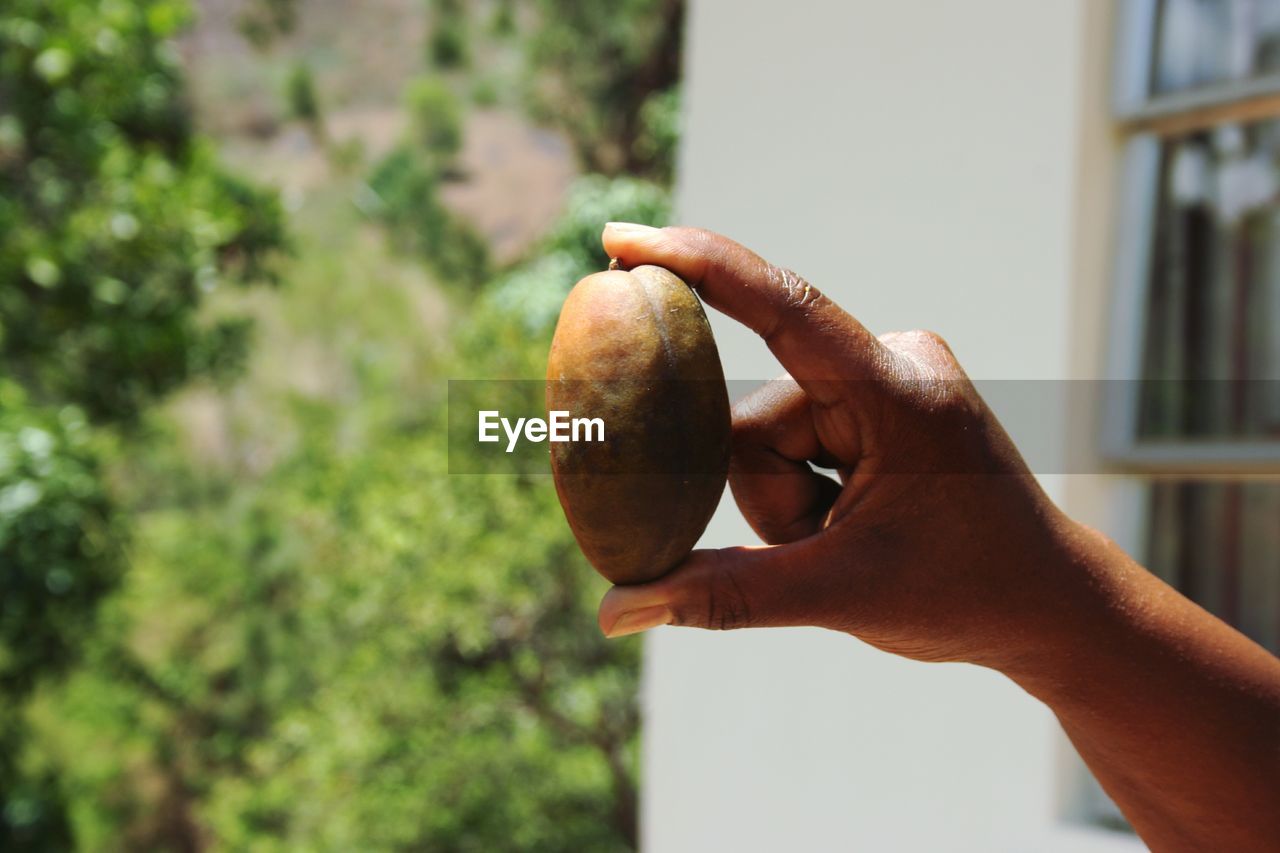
(629, 228)
(635, 621)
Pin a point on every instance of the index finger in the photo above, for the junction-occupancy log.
(815, 340)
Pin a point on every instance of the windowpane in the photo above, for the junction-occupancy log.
(1210, 335)
(1219, 544)
(1212, 343)
(1207, 42)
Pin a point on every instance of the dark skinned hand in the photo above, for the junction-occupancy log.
(938, 544)
(935, 508)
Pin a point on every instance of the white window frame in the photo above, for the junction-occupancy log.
(1143, 120)
(1146, 119)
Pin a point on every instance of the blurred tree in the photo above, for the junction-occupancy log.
(595, 66)
(406, 189)
(435, 117)
(348, 651)
(362, 652)
(261, 22)
(406, 186)
(485, 92)
(503, 22)
(114, 222)
(304, 103)
(448, 45)
(59, 541)
(60, 553)
(660, 133)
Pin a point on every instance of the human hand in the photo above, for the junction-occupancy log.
(939, 545)
(937, 541)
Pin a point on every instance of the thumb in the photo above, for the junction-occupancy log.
(743, 587)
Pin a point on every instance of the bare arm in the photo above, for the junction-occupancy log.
(938, 544)
(1176, 713)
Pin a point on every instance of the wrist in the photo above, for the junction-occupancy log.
(1087, 610)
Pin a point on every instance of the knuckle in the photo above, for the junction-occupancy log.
(919, 342)
(927, 354)
(931, 378)
(952, 403)
(797, 298)
(929, 339)
(891, 339)
(797, 292)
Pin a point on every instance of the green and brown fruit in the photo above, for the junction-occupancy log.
(634, 348)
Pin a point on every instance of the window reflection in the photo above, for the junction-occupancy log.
(1212, 347)
(1206, 42)
(1219, 544)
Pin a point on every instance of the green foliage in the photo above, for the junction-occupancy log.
(406, 186)
(263, 21)
(59, 540)
(503, 22)
(485, 92)
(660, 133)
(595, 200)
(303, 104)
(448, 46)
(406, 189)
(60, 549)
(348, 156)
(34, 815)
(511, 322)
(435, 118)
(114, 221)
(325, 642)
(349, 657)
(595, 65)
(300, 94)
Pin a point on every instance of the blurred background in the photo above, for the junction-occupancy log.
(244, 244)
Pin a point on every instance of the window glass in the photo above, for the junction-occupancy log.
(1210, 334)
(1211, 352)
(1207, 42)
(1219, 544)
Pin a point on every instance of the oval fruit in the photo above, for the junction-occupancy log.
(634, 349)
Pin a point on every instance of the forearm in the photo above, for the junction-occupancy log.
(1175, 712)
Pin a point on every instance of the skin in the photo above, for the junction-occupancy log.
(939, 545)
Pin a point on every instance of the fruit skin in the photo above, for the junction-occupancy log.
(635, 349)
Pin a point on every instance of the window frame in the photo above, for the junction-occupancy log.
(1144, 120)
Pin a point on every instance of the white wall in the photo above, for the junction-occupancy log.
(920, 163)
